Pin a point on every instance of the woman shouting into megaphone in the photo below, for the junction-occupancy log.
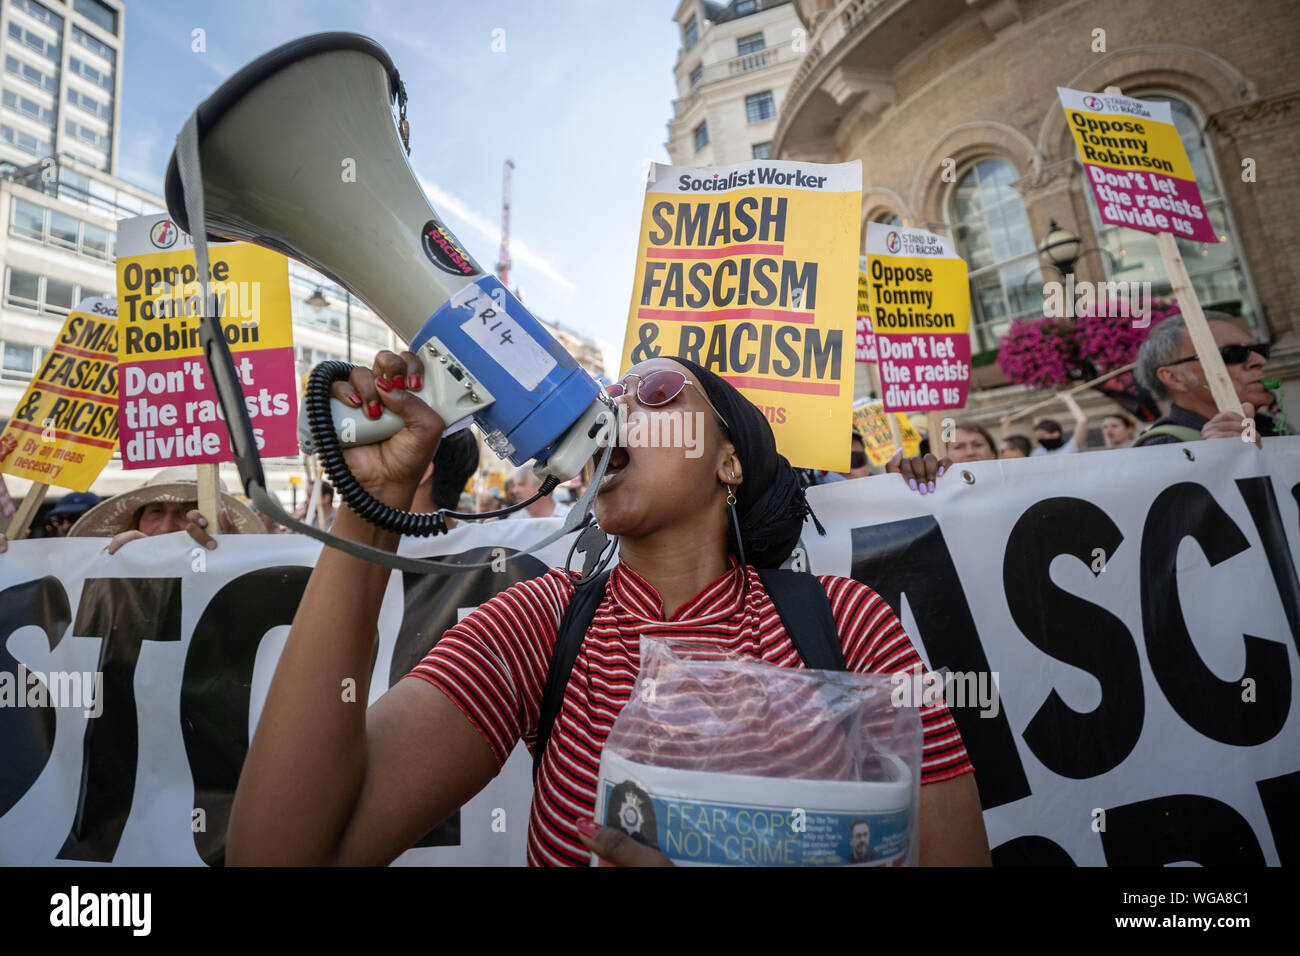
(328, 781)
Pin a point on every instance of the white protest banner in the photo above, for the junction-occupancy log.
(1119, 628)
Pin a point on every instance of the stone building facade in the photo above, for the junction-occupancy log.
(952, 107)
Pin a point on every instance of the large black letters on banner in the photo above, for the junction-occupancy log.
(1031, 850)
(1281, 797)
(1180, 827)
(217, 685)
(1212, 706)
(432, 602)
(1077, 632)
(27, 733)
(1259, 498)
(123, 613)
(911, 557)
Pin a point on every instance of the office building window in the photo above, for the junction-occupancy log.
(23, 289)
(38, 12)
(46, 48)
(29, 108)
(86, 134)
(745, 7)
(63, 230)
(759, 107)
(86, 71)
(96, 241)
(27, 220)
(29, 74)
(93, 45)
(691, 33)
(701, 136)
(59, 296)
(750, 44)
(992, 232)
(90, 105)
(100, 14)
(24, 141)
(697, 74)
(18, 360)
(762, 150)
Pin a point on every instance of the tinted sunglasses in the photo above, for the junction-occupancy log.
(1234, 354)
(658, 388)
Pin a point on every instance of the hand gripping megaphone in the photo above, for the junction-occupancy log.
(299, 153)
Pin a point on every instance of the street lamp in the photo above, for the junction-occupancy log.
(1060, 248)
(318, 301)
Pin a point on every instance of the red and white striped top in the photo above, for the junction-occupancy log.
(493, 665)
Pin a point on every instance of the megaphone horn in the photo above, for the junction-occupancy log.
(299, 153)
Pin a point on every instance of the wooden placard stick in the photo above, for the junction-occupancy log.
(209, 500)
(1198, 330)
(934, 422)
(31, 504)
(1071, 391)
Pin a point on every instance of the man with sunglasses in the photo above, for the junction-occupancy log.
(1167, 366)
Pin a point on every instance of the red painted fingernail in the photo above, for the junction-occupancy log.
(399, 381)
(415, 383)
(588, 828)
(353, 399)
(373, 410)
(383, 384)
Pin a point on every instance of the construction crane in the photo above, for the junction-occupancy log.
(503, 261)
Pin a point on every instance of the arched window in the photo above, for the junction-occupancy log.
(1217, 271)
(993, 236)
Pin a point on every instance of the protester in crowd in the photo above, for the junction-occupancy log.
(71, 507)
(453, 464)
(526, 484)
(1015, 446)
(971, 442)
(325, 510)
(1049, 435)
(859, 463)
(165, 503)
(489, 499)
(1167, 366)
(1118, 430)
(361, 786)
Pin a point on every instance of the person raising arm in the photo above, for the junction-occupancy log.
(328, 782)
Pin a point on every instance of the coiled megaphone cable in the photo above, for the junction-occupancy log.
(330, 452)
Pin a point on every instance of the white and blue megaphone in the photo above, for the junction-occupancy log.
(300, 153)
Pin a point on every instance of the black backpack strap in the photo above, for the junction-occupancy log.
(568, 639)
(805, 611)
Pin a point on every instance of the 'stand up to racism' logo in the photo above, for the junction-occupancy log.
(1093, 103)
(444, 251)
(893, 242)
(163, 234)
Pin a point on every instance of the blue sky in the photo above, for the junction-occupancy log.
(579, 100)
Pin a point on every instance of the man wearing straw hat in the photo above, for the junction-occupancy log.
(165, 503)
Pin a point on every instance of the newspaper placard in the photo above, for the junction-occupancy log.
(920, 307)
(746, 269)
(64, 429)
(871, 421)
(168, 407)
(866, 338)
(1134, 160)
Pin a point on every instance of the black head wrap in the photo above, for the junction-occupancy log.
(770, 501)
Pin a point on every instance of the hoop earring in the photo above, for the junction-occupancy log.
(731, 497)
